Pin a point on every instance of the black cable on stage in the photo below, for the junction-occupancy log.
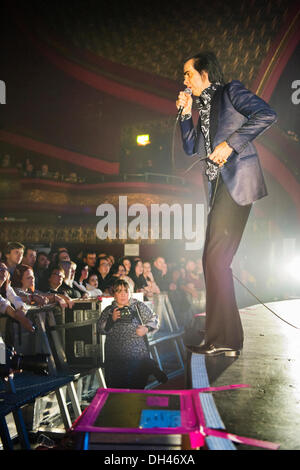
(262, 303)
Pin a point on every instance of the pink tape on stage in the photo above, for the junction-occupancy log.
(189, 419)
(241, 440)
(224, 387)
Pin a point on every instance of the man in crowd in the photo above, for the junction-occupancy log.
(29, 257)
(41, 269)
(160, 273)
(102, 271)
(90, 259)
(13, 255)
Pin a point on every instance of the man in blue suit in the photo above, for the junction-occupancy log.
(230, 118)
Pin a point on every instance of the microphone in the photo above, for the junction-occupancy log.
(188, 91)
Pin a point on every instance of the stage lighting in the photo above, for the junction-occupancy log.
(293, 268)
(143, 139)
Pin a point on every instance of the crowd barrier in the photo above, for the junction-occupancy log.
(75, 361)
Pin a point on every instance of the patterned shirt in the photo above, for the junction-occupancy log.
(203, 104)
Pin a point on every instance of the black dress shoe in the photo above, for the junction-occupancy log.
(211, 350)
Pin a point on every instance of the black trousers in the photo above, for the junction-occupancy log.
(225, 226)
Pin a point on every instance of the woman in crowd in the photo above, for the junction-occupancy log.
(154, 289)
(81, 275)
(118, 271)
(140, 282)
(136, 274)
(126, 323)
(127, 263)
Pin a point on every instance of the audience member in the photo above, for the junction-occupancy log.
(118, 271)
(23, 283)
(29, 170)
(40, 269)
(6, 161)
(13, 255)
(56, 276)
(81, 275)
(67, 287)
(126, 323)
(102, 271)
(44, 172)
(6, 307)
(29, 256)
(149, 278)
(92, 285)
(71, 178)
(160, 273)
(194, 287)
(136, 274)
(127, 263)
(90, 258)
(63, 255)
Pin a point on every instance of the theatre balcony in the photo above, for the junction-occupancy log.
(44, 210)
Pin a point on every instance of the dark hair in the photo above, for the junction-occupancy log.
(101, 258)
(88, 252)
(41, 253)
(115, 268)
(12, 246)
(120, 283)
(208, 61)
(54, 267)
(91, 273)
(79, 269)
(28, 248)
(132, 273)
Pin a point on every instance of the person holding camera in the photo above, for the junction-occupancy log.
(126, 323)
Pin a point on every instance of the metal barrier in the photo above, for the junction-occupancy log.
(169, 332)
(63, 381)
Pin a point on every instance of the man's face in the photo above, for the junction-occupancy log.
(104, 267)
(159, 263)
(15, 256)
(43, 262)
(30, 257)
(91, 260)
(193, 79)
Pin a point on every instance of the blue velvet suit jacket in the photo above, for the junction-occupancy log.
(237, 116)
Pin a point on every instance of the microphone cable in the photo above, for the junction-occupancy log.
(262, 303)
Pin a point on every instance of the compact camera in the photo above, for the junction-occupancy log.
(125, 315)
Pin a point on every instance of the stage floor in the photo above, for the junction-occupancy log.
(270, 363)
